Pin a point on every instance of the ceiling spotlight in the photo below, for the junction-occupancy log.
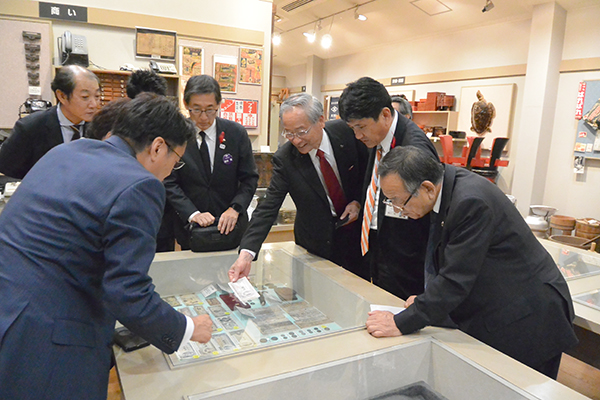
(488, 6)
(360, 17)
(310, 36)
(326, 41)
(278, 18)
(276, 39)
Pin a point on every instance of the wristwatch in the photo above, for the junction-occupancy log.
(237, 207)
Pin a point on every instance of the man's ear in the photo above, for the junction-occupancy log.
(61, 96)
(157, 146)
(429, 189)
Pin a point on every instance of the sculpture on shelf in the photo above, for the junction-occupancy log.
(482, 115)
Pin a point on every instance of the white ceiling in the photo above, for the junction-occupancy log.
(389, 21)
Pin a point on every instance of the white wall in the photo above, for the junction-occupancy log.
(574, 195)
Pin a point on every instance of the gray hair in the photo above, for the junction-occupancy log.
(310, 104)
(405, 107)
(413, 165)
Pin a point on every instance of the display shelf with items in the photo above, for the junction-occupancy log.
(113, 85)
(436, 122)
(294, 305)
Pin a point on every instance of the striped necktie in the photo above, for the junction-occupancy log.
(369, 205)
(76, 132)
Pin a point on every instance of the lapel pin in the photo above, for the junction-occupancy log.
(227, 159)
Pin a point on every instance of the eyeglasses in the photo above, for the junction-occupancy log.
(211, 112)
(179, 164)
(291, 135)
(390, 202)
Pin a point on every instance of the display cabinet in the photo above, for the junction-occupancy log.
(447, 120)
(342, 363)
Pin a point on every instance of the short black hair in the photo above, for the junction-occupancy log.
(104, 119)
(145, 80)
(202, 84)
(149, 116)
(65, 79)
(364, 98)
(413, 165)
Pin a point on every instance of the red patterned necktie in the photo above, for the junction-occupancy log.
(334, 189)
(369, 206)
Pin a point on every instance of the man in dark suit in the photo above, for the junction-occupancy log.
(320, 225)
(76, 242)
(78, 93)
(219, 177)
(486, 270)
(394, 247)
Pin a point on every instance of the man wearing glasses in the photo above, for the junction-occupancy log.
(394, 247)
(322, 168)
(487, 272)
(219, 177)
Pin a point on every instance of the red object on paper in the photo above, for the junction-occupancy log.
(580, 100)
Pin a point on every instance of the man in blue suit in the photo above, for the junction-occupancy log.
(76, 242)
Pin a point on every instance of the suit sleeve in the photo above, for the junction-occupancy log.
(129, 246)
(247, 174)
(265, 214)
(182, 204)
(16, 152)
(469, 238)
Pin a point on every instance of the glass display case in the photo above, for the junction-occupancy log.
(573, 263)
(296, 303)
(590, 299)
(445, 373)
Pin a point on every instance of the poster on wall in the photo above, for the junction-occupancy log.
(225, 72)
(333, 107)
(251, 66)
(587, 114)
(502, 98)
(244, 112)
(190, 61)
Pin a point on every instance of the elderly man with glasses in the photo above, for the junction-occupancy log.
(322, 168)
(219, 178)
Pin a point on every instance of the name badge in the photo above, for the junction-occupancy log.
(389, 212)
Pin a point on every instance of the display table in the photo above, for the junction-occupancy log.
(342, 363)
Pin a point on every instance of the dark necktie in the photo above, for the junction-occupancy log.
(204, 153)
(76, 132)
(434, 236)
(334, 189)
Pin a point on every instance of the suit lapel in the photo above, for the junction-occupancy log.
(54, 129)
(341, 160)
(307, 169)
(437, 222)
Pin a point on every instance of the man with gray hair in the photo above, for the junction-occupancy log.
(322, 168)
(486, 271)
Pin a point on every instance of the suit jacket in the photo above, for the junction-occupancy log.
(233, 180)
(492, 276)
(314, 227)
(397, 255)
(75, 248)
(31, 138)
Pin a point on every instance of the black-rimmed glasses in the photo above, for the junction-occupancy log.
(179, 164)
(390, 202)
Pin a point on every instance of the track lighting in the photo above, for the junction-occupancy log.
(488, 6)
(326, 41)
(276, 39)
(360, 17)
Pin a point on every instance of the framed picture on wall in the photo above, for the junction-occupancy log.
(191, 61)
(501, 96)
(251, 66)
(225, 72)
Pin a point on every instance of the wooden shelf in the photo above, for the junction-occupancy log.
(446, 119)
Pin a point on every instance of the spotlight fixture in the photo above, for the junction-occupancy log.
(310, 36)
(326, 41)
(488, 6)
(360, 17)
(276, 39)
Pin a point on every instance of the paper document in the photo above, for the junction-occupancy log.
(244, 290)
(393, 310)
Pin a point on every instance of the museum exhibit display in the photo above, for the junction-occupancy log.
(258, 348)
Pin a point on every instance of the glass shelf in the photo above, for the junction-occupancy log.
(297, 303)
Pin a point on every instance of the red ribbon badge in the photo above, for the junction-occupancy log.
(221, 137)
